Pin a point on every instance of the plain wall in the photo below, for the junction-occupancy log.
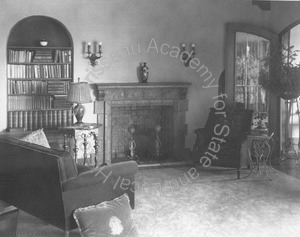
(131, 25)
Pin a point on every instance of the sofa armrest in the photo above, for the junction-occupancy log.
(82, 168)
(104, 174)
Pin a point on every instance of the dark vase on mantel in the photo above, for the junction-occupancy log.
(144, 73)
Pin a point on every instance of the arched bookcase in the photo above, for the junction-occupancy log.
(38, 77)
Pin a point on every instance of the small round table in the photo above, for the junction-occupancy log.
(260, 147)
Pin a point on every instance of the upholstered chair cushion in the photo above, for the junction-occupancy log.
(37, 137)
(107, 219)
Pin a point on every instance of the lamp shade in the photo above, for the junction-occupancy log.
(79, 93)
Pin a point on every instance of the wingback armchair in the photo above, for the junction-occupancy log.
(219, 143)
(46, 183)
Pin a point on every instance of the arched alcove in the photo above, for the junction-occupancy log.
(38, 77)
(28, 31)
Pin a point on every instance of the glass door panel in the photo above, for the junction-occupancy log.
(251, 56)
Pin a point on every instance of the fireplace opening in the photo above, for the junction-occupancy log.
(152, 136)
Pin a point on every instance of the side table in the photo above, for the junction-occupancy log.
(83, 135)
(260, 148)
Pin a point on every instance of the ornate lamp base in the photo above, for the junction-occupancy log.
(79, 111)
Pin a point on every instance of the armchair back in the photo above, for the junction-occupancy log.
(30, 179)
(238, 121)
(220, 141)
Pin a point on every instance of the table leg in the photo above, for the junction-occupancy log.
(75, 149)
(85, 143)
(251, 165)
(65, 146)
(262, 153)
(96, 148)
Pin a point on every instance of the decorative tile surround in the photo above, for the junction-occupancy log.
(123, 104)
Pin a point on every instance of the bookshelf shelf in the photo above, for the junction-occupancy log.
(37, 94)
(38, 78)
(37, 48)
(31, 63)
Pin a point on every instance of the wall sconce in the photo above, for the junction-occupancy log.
(187, 56)
(94, 56)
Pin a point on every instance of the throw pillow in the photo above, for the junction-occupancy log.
(37, 137)
(107, 219)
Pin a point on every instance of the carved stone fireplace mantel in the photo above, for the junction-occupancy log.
(142, 91)
(142, 105)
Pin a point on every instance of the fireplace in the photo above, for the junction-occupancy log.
(144, 119)
(156, 111)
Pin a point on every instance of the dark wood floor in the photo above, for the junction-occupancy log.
(290, 168)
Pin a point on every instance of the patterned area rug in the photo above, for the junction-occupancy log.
(177, 202)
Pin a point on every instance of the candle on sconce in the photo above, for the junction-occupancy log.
(100, 46)
(193, 48)
(183, 46)
(92, 53)
(89, 47)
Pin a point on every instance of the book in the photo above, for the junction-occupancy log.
(54, 118)
(20, 119)
(59, 118)
(25, 120)
(64, 118)
(69, 117)
(10, 119)
(45, 119)
(40, 119)
(15, 119)
(50, 119)
(29, 114)
(35, 120)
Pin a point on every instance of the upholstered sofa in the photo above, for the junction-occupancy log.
(48, 184)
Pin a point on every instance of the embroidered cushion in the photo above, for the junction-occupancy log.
(37, 137)
(107, 219)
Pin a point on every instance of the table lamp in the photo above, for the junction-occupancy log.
(79, 93)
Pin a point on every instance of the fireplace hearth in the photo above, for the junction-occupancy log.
(156, 111)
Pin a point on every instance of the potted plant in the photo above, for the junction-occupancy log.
(285, 83)
(285, 75)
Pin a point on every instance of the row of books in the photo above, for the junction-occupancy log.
(39, 56)
(29, 102)
(42, 56)
(61, 101)
(37, 102)
(32, 120)
(20, 56)
(63, 56)
(39, 71)
(37, 87)
(58, 87)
